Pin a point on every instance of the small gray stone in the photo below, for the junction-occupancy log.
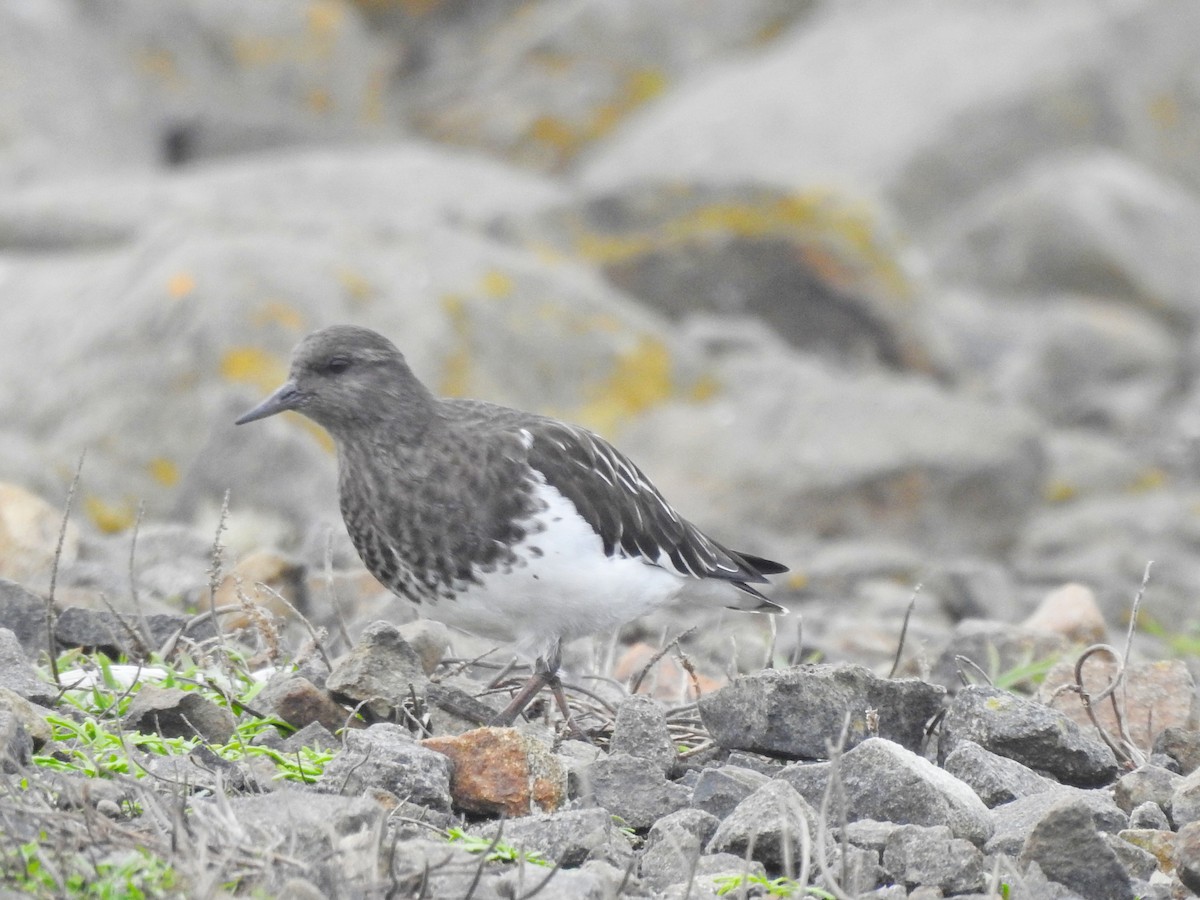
(1184, 805)
(24, 613)
(18, 675)
(996, 779)
(1029, 732)
(639, 794)
(1013, 821)
(870, 834)
(796, 712)
(568, 837)
(641, 732)
(718, 790)
(767, 826)
(674, 846)
(1139, 863)
(1149, 815)
(385, 756)
(113, 634)
(16, 748)
(918, 855)
(1187, 856)
(173, 712)
(314, 735)
(1182, 745)
(1145, 784)
(1069, 849)
(884, 781)
(382, 671)
(336, 837)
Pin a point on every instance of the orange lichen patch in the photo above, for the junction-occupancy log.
(357, 288)
(1164, 111)
(456, 374)
(318, 99)
(324, 19)
(497, 284)
(1150, 479)
(703, 388)
(164, 471)
(1059, 491)
(797, 581)
(109, 517)
(566, 138)
(180, 285)
(159, 63)
(258, 51)
(276, 312)
(373, 106)
(640, 378)
(254, 366)
(808, 217)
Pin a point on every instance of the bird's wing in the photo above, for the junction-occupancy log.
(626, 510)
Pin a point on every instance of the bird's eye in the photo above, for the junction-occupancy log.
(336, 364)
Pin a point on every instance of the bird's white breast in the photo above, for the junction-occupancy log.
(562, 585)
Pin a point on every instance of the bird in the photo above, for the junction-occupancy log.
(509, 525)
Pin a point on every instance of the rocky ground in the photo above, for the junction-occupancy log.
(904, 294)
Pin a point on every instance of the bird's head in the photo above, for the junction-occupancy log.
(346, 379)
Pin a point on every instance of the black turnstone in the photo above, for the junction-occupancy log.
(509, 525)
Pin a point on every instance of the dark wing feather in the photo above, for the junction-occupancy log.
(628, 512)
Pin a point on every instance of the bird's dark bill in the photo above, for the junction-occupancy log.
(282, 400)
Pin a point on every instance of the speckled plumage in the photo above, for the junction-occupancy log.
(501, 522)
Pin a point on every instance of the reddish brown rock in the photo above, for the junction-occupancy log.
(1156, 695)
(298, 702)
(667, 680)
(1071, 611)
(29, 535)
(502, 771)
(261, 578)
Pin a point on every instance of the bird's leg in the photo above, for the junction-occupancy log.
(545, 674)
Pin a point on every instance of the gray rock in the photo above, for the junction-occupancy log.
(442, 869)
(1076, 222)
(718, 790)
(1181, 745)
(996, 647)
(1139, 863)
(24, 613)
(16, 748)
(767, 826)
(382, 672)
(568, 837)
(113, 634)
(336, 838)
(996, 779)
(18, 675)
(674, 845)
(932, 856)
(870, 834)
(301, 703)
(1031, 733)
(1187, 856)
(1148, 783)
(638, 794)
(1014, 821)
(314, 735)
(173, 712)
(710, 881)
(1149, 815)
(641, 732)
(385, 756)
(1184, 805)
(1069, 850)
(798, 712)
(883, 781)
